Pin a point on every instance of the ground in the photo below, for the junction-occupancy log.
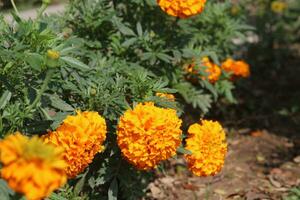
(259, 165)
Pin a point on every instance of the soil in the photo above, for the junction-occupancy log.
(259, 165)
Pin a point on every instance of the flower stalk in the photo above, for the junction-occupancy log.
(15, 7)
(48, 77)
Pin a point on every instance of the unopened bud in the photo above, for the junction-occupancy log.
(52, 54)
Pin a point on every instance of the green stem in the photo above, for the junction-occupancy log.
(15, 7)
(41, 10)
(38, 97)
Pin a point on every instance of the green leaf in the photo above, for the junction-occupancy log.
(129, 42)
(74, 63)
(5, 191)
(139, 29)
(35, 60)
(164, 57)
(125, 30)
(60, 104)
(5, 99)
(55, 196)
(113, 190)
(80, 184)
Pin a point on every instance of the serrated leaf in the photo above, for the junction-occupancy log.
(60, 104)
(129, 42)
(125, 30)
(5, 99)
(164, 57)
(74, 63)
(55, 196)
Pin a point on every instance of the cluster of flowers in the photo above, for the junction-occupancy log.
(236, 69)
(146, 136)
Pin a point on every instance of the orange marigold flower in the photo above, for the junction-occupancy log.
(237, 68)
(149, 134)
(82, 137)
(31, 167)
(206, 141)
(182, 8)
(213, 71)
(170, 97)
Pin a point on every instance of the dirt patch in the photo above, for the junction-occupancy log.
(259, 165)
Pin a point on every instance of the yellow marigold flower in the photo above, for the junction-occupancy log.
(31, 167)
(206, 141)
(54, 55)
(278, 6)
(182, 8)
(149, 134)
(237, 68)
(82, 137)
(170, 97)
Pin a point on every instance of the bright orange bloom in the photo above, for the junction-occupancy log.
(31, 167)
(82, 137)
(237, 68)
(149, 134)
(182, 8)
(213, 71)
(206, 141)
(170, 97)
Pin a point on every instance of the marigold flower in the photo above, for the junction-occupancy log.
(182, 8)
(170, 97)
(31, 167)
(213, 71)
(237, 68)
(278, 6)
(82, 137)
(149, 134)
(206, 141)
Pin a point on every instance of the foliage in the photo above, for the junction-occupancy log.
(111, 56)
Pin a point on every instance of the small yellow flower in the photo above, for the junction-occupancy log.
(170, 97)
(206, 141)
(31, 167)
(182, 8)
(82, 137)
(235, 10)
(52, 54)
(148, 134)
(237, 68)
(278, 6)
